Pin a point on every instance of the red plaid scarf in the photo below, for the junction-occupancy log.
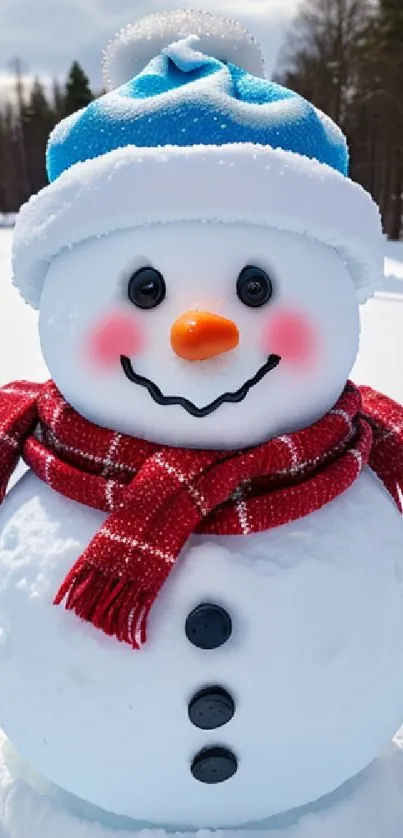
(157, 496)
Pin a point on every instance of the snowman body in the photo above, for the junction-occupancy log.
(313, 663)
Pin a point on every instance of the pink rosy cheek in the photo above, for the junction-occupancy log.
(114, 335)
(290, 334)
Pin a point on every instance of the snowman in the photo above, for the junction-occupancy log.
(201, 573)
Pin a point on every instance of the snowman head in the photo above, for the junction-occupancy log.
(200, 253)
(199, 334)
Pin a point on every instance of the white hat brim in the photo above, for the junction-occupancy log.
(239, 183)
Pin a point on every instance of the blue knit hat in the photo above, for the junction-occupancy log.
(193, 135)
(184, 98)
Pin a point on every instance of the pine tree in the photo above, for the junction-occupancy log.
(25, 126)
(78, 91)
(39, 119)
(58, 98)
(3, 140)
(391, 21)
(390, 36)
(12, 183)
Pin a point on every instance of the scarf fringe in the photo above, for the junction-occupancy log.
(116, 606)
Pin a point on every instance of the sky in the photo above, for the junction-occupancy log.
(48, 34)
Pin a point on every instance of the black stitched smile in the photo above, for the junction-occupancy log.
(232, 398)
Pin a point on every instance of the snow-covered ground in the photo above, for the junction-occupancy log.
(7, 219)
(371, 806)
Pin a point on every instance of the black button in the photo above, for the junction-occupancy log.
(214, 765)
(211, 708)
(208, 626)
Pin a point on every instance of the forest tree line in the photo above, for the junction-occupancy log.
(25, 125)
(345, 56)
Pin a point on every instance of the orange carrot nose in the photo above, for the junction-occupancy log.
(199, 335)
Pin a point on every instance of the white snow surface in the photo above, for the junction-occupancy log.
(371, 806)
(134, 46)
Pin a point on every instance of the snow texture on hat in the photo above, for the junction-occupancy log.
(185, 98)
(135, 45)
(199, 138)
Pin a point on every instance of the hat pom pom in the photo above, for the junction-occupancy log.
(137, 44)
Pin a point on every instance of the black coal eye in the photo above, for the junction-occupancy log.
(147, 288)
(254, 287)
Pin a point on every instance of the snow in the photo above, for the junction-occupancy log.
(20, 350)
(380, 361)
(132, 48)
(346, 679)
(7, 219)
(371, 806)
